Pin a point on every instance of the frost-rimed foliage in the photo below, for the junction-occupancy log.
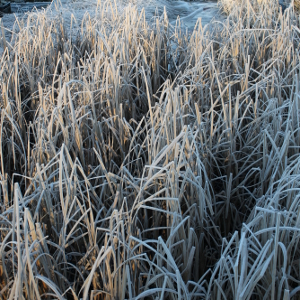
(140, 162)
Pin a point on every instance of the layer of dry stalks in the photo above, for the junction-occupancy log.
(140, 162)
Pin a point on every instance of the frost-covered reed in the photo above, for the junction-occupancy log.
(142, 162)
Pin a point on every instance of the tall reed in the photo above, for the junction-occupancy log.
(139, 161)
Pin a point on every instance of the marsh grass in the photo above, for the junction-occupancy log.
(139, 161)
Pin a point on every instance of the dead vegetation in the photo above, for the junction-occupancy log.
(139, 162)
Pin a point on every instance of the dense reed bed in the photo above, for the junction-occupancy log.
(141, 161)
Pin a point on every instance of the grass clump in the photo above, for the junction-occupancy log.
(139, 161)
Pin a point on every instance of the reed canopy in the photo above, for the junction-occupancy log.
(139, 160)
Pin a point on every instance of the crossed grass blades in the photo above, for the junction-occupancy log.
(140, 161)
